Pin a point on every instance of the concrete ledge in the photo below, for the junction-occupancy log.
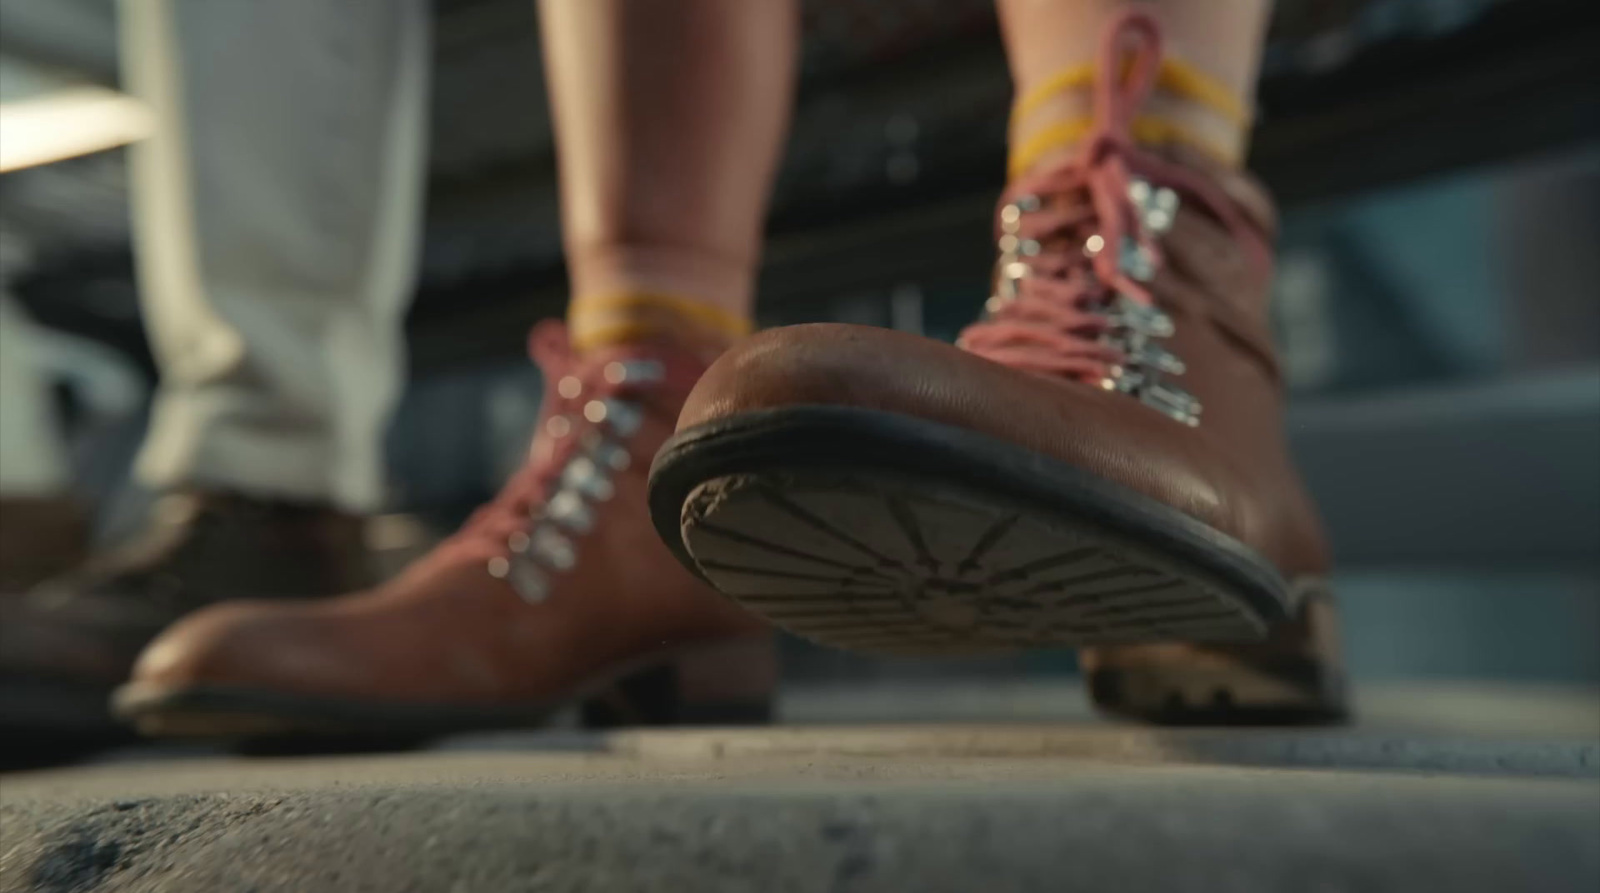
(1331, 749)
(1054, 807)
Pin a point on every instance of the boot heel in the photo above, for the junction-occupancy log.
(1295, 677)
(723, 683)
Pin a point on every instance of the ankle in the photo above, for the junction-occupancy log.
(638, 293)
(1053, 116)
(634, 318)
(1060, 125)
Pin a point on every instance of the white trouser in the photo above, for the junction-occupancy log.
(276, 214)
(32, 459)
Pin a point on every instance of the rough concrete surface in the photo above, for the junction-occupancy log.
(984, 807)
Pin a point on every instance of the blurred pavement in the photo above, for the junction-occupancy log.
(1445, 787)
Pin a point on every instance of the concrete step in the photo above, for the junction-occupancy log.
(1428, 802)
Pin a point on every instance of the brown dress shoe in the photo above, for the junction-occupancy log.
(1045, 482)
(39, 538)
(556, 592)
(68, 641)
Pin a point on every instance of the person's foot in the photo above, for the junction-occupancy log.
(1098, 462)
(556, 592)
(65, 643)
(40, 536)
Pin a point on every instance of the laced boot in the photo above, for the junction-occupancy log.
(1098, 462)
(555, 592)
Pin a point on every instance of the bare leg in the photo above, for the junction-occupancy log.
(669, 118)
(1220, 39)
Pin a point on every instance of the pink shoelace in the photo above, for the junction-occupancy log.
(1079, 245)
(588, 418)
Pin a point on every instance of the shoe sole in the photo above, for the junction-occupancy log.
(883, 533)
(653, 691)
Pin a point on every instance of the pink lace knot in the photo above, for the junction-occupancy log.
(1079, 246)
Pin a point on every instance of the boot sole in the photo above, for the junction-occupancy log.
(879, 532)
(657, 690)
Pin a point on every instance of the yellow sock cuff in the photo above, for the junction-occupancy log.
(1149, 130)
(1176, 77)
(598, 320)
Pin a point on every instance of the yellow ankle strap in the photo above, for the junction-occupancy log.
(1178, 78)
(597, 320)
(1148, 130)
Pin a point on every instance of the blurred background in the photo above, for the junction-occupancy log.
(1438, 167)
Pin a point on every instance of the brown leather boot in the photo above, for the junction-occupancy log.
(39, 538)
(1046, 482)
(67, 642)
(556, 592)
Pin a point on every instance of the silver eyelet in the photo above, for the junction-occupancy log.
(529, 582)
(611, 455)
(553, 548)
(1133, 329)
(622, 417)
(1151, 356)
(622, 371)
(584, 476)
(1010, 269)
(1156, 207)
(1146, 320)
(568, 509)
(1145, 385)
(547, 545)
(1131, 325)
(1011, 213)
(1175, 402)
(525, 578)
(1136, 260)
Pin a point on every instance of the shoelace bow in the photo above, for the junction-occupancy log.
(1079, 244)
